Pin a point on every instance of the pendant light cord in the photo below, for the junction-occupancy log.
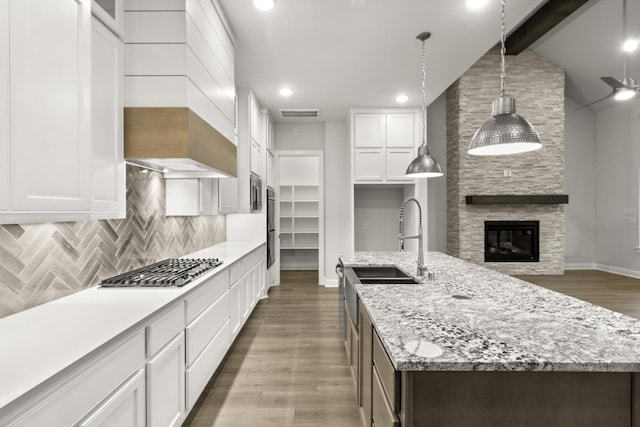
(503, 51)
(424, 100)
(624, 39)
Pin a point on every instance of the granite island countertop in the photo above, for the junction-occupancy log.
(483, 320)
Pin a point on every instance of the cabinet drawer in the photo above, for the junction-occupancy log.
(235, 272)
(389, 377)
(199, 374)
(208, 292)
(66, 403)
(383, 415)
(200, 332)
(166, 326)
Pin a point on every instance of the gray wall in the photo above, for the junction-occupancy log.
(580, 185)
(304, 136)
(617, 160)
(437, 187)
(43, 262)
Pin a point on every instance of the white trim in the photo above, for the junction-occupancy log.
(330, 283)
(619, 270)
(580, 266)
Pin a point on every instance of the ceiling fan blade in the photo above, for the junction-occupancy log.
(616, 84)
(591, 103)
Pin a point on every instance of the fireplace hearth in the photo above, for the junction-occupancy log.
(511, 241)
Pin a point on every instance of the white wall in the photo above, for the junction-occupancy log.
(436, 216)
(580, 185)
(337, 207)
(617, 172)
(304, 136)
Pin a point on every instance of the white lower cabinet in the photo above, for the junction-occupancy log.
(69, 399)
(126, 407)
(165, 385)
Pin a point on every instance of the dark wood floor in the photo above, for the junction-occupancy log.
(288, 368)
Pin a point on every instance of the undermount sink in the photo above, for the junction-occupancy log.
(388, 281)
(382, 275)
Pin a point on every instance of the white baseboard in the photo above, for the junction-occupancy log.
(330, 283)
(581, 266)
(619, 270)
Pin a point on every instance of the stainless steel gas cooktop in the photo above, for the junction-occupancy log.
(169, 272)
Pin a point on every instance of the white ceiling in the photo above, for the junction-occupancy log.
(587, 45)
(336, 56)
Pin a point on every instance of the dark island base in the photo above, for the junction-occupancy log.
(514, 399)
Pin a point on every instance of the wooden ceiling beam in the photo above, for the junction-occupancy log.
(548, 16)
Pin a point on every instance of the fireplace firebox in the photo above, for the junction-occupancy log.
(511, 241)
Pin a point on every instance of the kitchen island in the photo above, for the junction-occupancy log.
(477, 347)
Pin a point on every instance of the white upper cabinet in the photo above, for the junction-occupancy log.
(60, 114)
(107, 90)
(50, 104)
(5, 146)
(383, 143)
(368, 130)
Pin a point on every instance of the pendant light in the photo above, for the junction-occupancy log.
(424, 166)
(505, 132)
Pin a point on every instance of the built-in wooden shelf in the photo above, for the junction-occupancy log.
(518, 199)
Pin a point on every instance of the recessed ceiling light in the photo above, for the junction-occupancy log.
(630, 45)
(264, 4)
(402, 98)
(475, 4)
(286, 91)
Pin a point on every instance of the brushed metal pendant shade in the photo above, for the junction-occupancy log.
(424, 165)
(505, 132)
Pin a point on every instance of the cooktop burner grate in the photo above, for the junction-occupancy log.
(169, 272)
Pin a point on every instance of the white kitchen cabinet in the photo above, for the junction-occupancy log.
(256, 158)
(125, 408)
(383, 145)
(236, 303)
(369, 130)
(254, 120)
(369, 164)
(5, 82)
(166, 385)
(107, 91)
(50, 105)
(396, 162)
(271, 172)
(110, 13)
(68, 398)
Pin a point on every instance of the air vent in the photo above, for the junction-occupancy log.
(305, 114)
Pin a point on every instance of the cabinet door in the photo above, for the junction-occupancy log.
(366, 365)
(369, 165)
(397, 162)
(50, 104)
(401, 130)
(236, 303)
(254, 120)
(108, 183)
(165, 385)
(5, 153)
(125, 408)
(368, 130)
(228, 195)
(255, 159)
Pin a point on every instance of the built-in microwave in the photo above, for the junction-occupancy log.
(255, 191)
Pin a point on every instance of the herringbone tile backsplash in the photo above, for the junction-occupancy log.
(42, 262)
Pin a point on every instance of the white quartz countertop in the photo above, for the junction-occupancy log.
(482, 320)
(39, 343)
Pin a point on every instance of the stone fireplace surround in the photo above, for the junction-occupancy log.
(538, 86)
